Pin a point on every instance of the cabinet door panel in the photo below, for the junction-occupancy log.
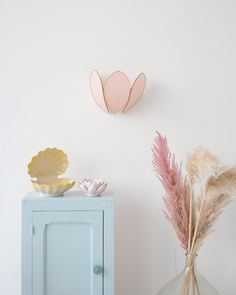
(66, 247)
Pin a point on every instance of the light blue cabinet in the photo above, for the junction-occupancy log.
(67, 245)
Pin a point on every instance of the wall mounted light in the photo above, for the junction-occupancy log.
(115, 94)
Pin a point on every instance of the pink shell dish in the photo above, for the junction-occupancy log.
(115, 94)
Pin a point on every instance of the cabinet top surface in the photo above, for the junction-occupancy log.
(73, 195)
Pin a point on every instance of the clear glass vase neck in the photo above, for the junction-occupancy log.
(192, 265)
(198, 285)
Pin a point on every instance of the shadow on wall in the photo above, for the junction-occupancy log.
(139, 243)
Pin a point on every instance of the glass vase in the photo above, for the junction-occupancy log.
(189, 282)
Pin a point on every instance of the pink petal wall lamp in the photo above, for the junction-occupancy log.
(115, 94)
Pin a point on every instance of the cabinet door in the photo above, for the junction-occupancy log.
(67, 245)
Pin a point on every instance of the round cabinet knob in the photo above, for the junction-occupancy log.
(97, 269)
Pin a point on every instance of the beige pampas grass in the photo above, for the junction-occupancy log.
(219, 189)
(211, 211)
(224, 181)
(217, 184)
(201, 163)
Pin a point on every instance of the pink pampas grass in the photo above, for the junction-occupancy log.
(176, 191)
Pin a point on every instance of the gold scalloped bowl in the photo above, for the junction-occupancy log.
(45, 168)
(54, 189)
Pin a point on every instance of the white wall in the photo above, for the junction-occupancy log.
(187, 50)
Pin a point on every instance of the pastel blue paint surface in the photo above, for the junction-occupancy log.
(63, 240)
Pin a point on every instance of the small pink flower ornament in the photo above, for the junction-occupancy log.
(92, 187)
(115, 94)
